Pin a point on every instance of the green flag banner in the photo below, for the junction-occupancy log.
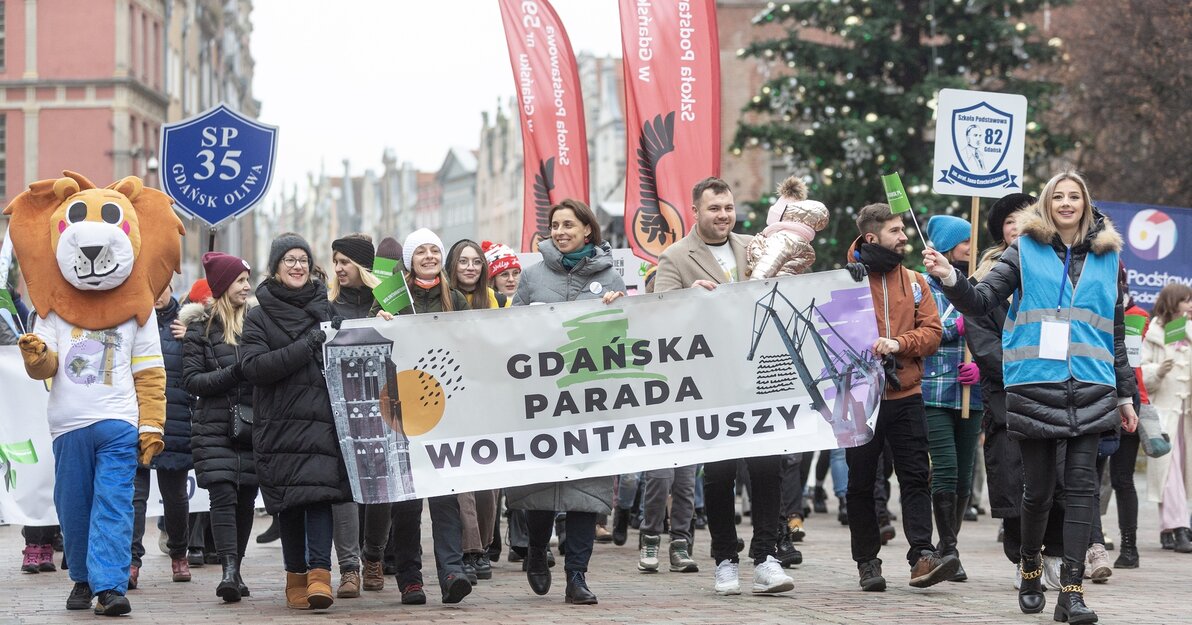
(15, 453)
(1175, 331)
(393, 294)
(1135, 325)
(895, 194)
(384, 268)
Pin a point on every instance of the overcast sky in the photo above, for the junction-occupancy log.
(347, 79)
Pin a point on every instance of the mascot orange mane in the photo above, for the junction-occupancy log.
(94, 261)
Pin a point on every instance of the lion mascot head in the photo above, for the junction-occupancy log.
(96, 257)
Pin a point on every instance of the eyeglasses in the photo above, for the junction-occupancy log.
(290, 261)
(464, 263)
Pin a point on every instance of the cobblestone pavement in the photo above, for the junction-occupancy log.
(826, 589)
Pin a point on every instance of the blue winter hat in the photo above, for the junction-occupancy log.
(946, 232)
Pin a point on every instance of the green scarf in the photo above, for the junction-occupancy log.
(572, 259)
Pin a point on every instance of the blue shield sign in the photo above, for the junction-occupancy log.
(981, 137)
(217, 165)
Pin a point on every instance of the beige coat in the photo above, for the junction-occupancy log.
(689, 259)
(1169, 394)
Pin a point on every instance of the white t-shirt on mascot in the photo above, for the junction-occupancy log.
(98, 367)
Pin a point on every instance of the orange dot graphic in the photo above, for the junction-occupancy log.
(422, 401)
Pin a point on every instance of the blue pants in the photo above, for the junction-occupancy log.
(93, 486)
(838, 464)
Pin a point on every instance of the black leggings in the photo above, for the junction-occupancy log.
(1121, 476)
(1080, 486)
(231, 516)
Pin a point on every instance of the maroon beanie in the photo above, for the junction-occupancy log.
(222, 270)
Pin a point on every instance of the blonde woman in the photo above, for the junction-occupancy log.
(1064, 366)
(211, 370)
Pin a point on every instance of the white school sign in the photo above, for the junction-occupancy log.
(434, 404)
(980, 140)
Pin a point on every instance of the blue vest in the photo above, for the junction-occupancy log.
(1089, 311)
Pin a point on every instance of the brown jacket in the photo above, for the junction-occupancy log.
(689, 259)
(916, 327)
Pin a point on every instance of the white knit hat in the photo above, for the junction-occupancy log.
(419, 237)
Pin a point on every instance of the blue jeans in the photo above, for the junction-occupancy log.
(838, 465)
(306, 537)
(94, 469)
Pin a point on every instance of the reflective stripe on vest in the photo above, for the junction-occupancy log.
(1089, 312)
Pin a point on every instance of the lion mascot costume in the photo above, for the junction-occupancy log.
(94, 261)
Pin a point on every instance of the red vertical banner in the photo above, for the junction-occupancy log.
(672, 115)
(551, 110)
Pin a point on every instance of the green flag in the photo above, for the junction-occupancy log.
(1176, 330)
(1135, 325)
(895, 194)
(6, 302)
(384, 268)
(15, 453)
(392, 294)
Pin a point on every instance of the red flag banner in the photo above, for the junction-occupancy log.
(672, 115)
(551, 110)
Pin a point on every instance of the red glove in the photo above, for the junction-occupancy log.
(969, 374)
(960, 326)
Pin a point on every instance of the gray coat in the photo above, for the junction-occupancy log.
(549, 282)
(1064, 409)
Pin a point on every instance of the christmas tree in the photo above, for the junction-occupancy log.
(853, 91)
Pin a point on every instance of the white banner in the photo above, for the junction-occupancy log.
(631, 268)
(434, 404)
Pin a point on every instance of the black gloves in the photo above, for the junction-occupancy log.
(314, 339)
(336, 322)
(857, 271)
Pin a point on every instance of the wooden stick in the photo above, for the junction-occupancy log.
(966, 393)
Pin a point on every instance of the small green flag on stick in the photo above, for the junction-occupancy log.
(392, 294)
(899, 202)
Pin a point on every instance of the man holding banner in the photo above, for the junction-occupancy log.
(909, 329)
(709, 255)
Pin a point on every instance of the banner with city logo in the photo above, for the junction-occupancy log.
(1153, 254)
(444, 403)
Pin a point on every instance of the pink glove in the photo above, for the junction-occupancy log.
(969, 374)
(960, 326)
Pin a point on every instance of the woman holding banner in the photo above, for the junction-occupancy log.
(1166, 369)
(1065, 368)
(430, 292)
(576, 264)
(222, 449)
(299, 464)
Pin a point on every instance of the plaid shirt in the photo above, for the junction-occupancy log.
(941, 389)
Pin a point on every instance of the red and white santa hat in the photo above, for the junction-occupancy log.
(500, 258)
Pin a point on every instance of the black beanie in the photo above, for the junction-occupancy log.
(285, 242)
(358, 249)
(1002, 209)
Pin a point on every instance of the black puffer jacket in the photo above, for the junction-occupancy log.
(354, 303)
(294, 438)
(210, 371)
(1063, 409)
(179, 403)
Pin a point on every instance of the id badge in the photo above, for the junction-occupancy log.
(1053, 339)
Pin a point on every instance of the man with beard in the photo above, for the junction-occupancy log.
(909, 329)
(711, 254)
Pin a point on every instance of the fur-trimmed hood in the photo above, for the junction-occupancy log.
(1102, 236)
(196, 311)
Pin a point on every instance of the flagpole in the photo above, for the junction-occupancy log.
(966, 393)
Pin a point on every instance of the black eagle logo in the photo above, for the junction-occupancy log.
(544, 183)
(657, 140)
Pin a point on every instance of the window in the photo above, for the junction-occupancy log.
(3, 153)
(3, 39)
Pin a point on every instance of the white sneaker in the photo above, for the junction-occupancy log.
(728, 578)
(1051, 572)
(768, 577)
(647, 561)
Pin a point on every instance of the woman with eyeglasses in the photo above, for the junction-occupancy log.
(299, 465)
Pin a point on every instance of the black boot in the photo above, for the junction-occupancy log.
(944, 506)
(228, 588)
(1128, 555)
(577, 589)
(621, 526)
(1030, 593)
(271, 534)
(1070, 607)
(240, 580)
(538, 570)
(1183, 540)
(819, 500)
(787, 554)
(842, 511)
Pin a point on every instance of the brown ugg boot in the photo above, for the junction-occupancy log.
(318, 589)
(296, 591)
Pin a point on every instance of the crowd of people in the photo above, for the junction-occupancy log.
(1049, 401)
